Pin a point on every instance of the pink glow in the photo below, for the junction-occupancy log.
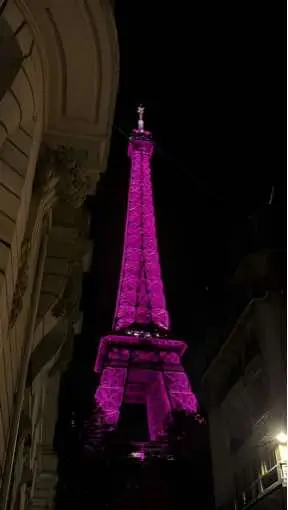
(109, 394)
(139, 452)
(136, 367)
(179, 390)
(141, 296)
(158, 406)
(161, 344)
(161, 387)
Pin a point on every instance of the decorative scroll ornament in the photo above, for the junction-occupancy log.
(69, 166)
(68, 304)
(65, 354)
(63, 360)
(21, 283)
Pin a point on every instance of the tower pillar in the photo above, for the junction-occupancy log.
(179, 391)
(110, 392)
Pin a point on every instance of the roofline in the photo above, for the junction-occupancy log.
(230, 336)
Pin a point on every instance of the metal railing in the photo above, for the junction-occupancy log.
(259, 487)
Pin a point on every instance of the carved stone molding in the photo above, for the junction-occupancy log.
(69, 166)
(21, 283)
(80, 239)
(65, 355)
(68, 303)
(25, 426)
(23, 273)
(44, 353)
(27, 475)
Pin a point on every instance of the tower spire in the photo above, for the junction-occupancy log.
(141, 298)
(140, 111)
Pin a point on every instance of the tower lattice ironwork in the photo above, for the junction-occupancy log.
(138, 362)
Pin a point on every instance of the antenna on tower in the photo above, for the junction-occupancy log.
(140, 111)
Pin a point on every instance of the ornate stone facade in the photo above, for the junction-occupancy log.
(54, 142)
(68, 166)
(21, 283)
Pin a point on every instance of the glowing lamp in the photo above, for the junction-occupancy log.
(281, 438)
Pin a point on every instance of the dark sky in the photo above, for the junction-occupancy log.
(211, 76)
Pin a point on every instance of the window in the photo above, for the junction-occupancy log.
(270, 478)
(246, 490)
(268, 460)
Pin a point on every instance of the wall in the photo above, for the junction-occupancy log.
(39, 96)
(21, 123)
(244, 419)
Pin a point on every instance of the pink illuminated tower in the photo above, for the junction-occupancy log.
(138, 362)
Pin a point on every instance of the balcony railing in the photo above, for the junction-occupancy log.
(261, 486)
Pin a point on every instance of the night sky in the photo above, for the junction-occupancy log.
(211, 78)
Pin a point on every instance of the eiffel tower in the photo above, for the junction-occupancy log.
(138, 362)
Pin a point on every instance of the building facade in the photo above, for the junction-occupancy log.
(245, 390)
(58, 85)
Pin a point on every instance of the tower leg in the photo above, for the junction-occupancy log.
(180, 393)
(158, 406)
(109, 394)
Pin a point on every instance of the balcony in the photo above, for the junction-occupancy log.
(262, 486)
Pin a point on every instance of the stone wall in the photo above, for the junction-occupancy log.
(39, 96)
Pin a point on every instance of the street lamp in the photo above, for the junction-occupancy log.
(281, 438)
